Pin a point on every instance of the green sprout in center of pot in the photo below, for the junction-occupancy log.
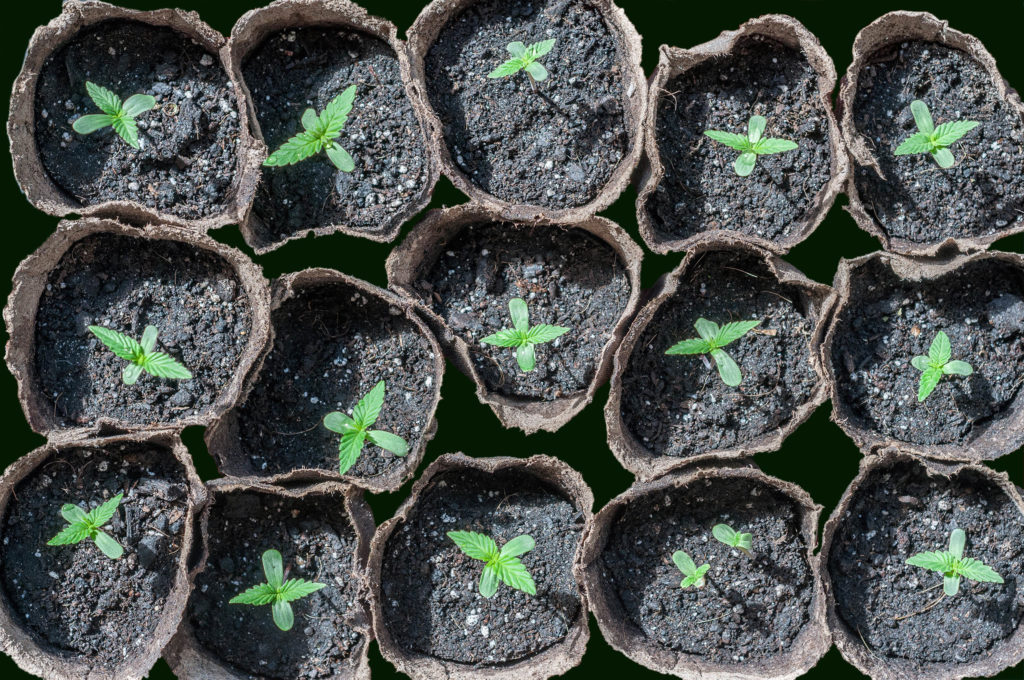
(499, 565)
(319, 134)
(953, 565)
(525, 59)
(933, 139)
(711, 341)
(694, 575)
(83, 525)
(937, 364)
(355, 430)
(751, 145)
(141, 356)
(118, 115)
(276, 591)
(522, 336)
(724, 533)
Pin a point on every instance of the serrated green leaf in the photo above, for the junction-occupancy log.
(919, 142)
(389, 442)
(939, 561)
(127, 129)
(488, 581)
(543, 332)
(349, 448)
(298, 148)
(727, 368)
(755, 128)
(475, 545)
(733, 330)
(105, 100)
(520, 314)
(537, 71)
(949, 132)
(958, 368)
(940, 349)
(85, 125)
(284, 618)
(336, 112)
(514, 574)
(744, 163)
(101, 514)
(510, 67)
(693, 346)
(162, 365)
(929, 380)
(922, 116)
(367, 410)
(71, 534)
(539, 49)
(979, 571)
(295, 588)
(118, 343)
(107, 545)
(526, 357)
(508, 337)
(519, 545)
(262, 594)
(774, 145)
(138, 104)
(730, 139)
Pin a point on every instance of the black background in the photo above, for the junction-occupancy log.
(818, 456)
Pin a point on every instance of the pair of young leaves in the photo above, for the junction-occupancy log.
(953, 565)
(525, 59)
(937, 364)
(83, 525)
(141, 355)
(276, 591)
(319, 133)
(116, 114)
(933, 139)
(711, 341)
(723, 533)
(355, 430)
(751, 145)
(522, 336)
(500, 566)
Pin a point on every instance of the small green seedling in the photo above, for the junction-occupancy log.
(83, 525)
(141, 355)
(937, 364)
(522, 336)
(734, 539)
(932, 139)
(356, 430)
(711, 341)
(752, 145)
(953, 565)
(499, 565)
(319, 134)
(276, 591)
(525, 59)
(119, 116)
(694, 574)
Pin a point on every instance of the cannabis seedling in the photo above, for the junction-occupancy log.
(525, 59)
(932, 139)
(752, 145)
(83, 525)
(522, 336)
(499, 565)
(119, 116)
(319, 134)
(356, 430)
(140, 355)
(724, 533)
(937, 364)
(276, 591)
(694, 574)
(711, 341)
(953, 565)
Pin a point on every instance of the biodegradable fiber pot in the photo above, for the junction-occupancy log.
(758, 616)
(429, 618)
(562, 152)
(890, 308)
(198, 165)
(334, 338)
(69, 612)
(209, 302)
(323, 533)
(771, 66)
(667, 411)
(293, 54)
(464, 267)
(910, 204)
(890, 619)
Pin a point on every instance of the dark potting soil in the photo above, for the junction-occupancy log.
(189, 142)
(567, 277)
(700, 191)
(430, 593)
(318, 543)
(191, 295)
(750, 608)
(678, 405)
(899, 511)
(72, 598)
(890, 321)
(332, 345)
(918, 200)
(555, 147)
(298, 68)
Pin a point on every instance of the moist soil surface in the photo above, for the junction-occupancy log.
(700, 191)
(191, 295)
(298, 68)
(430, 595)
(750, 608)
(568, 278)
(899, 512)
(678, 405)
(72, 598)
(889, 322)
(332, 345)
(189, 141)
(317, 543)
(984, 191)
(556, 147)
